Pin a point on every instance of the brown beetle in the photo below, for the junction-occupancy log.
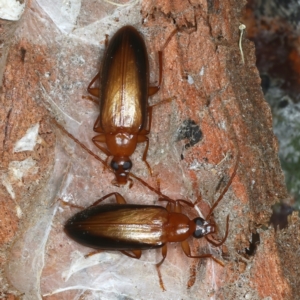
(129, 227)
(124, 111)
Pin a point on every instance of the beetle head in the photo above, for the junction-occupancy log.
(121, 167)
(203, 228)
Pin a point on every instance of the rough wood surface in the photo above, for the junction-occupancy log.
(211, 86)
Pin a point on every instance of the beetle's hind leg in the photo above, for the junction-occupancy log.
(135, 253)
(93, 253)
(70, 204)
(95, 91)
(154, 89)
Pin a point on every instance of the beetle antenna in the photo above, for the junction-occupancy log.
(217, 244)
(151, 188)
(226, 188)
(78, 142)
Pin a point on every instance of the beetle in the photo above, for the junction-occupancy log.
(125, 116)
(131, 228)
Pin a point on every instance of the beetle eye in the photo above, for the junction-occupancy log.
(114, 165)
(200, 230)
(127, 165)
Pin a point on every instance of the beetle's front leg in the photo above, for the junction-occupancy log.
(154, 89)
(93, 253)
(187, 251)
(70, 204)
(100, 138)
(135, 253)
(174, 205)
(171, 204)
(119, 198)
(142, 138)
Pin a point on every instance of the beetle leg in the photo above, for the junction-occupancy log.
(187, 251)
(163, 101)
(100, 138)
(136, 253)
(92, 253)
(158, 184)
(168, 200)
(164, 251)
(177, 208)
(174, 205)
(94, 91)
(140, 139)
(181, 201)
(70, 204)
(154, 89)
(147, 131)
(106, 40)
(119, 199)
(170, 205)
(97, 126)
